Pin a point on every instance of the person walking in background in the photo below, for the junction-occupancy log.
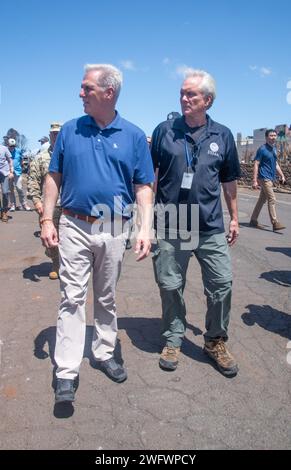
(38, 171)
(264, 173)
(16, 181)
(192, 156)
(99, 161)
(44, 144)
(6, 173)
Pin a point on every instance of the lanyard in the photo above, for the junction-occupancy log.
(187, 155)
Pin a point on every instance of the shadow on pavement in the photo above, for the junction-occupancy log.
(37, 233)
(268, 318)
(45, 336)
(279, 249)
(282, 278)
(145, 334)
(63, 410)
(264, 229)
(36, 271)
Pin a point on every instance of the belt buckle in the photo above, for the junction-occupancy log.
(87, 218)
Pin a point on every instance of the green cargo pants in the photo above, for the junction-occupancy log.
(170, 268)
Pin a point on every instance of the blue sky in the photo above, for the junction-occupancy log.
(45, 44)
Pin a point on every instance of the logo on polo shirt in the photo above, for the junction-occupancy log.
(115, 146)
(213, 149)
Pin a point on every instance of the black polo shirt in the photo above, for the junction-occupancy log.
(215, 161)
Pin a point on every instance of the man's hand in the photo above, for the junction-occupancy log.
(283, 179)
(142, 247)
(233, 232)
(49, 234)
(11, 175)
(255, 184)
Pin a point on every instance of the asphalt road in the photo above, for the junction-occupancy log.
(194, 407)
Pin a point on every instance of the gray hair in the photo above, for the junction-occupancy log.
(109, 76)
(207, 85)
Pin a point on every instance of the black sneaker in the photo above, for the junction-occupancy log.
(65, 391)
(128, 245)
(113, 370)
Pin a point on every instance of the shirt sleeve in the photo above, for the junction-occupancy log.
(230, 169)
(143, 172)
(155, 148)
(8, 155)
(56, 163)
(258, 156)
(34, 182)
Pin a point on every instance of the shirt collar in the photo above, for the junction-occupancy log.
(211, 127)
(115, 124)
(270, 147)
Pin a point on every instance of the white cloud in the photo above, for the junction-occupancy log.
(265, 71)
(182, 70)
(128, 65)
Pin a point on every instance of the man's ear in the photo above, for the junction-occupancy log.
(109, 93)
(208, 101)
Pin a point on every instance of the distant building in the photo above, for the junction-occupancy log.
(248, 146)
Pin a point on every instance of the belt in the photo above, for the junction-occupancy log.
(87, 218)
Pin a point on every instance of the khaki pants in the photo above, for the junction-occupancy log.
(266, 194)
(82, 250)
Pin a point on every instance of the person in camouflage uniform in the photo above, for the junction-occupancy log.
(38, 170)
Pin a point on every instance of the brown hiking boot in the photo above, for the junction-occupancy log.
(53, 275)
(278, 226)
(217, 351)
(169, 358)
(255, 224)
(4, 217)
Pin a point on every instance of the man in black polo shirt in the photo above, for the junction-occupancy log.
(192, 155)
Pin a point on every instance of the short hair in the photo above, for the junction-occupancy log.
(269, 131)
(109, 76)
(207, 85)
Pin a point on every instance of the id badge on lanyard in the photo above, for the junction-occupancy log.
(187, 179)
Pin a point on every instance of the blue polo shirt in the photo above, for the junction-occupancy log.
(16, 155)
(214, 160)
(98, 165)
(267, 157)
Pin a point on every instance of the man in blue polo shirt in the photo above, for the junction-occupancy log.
(265, 168)
(102, 163)
(192, 155)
